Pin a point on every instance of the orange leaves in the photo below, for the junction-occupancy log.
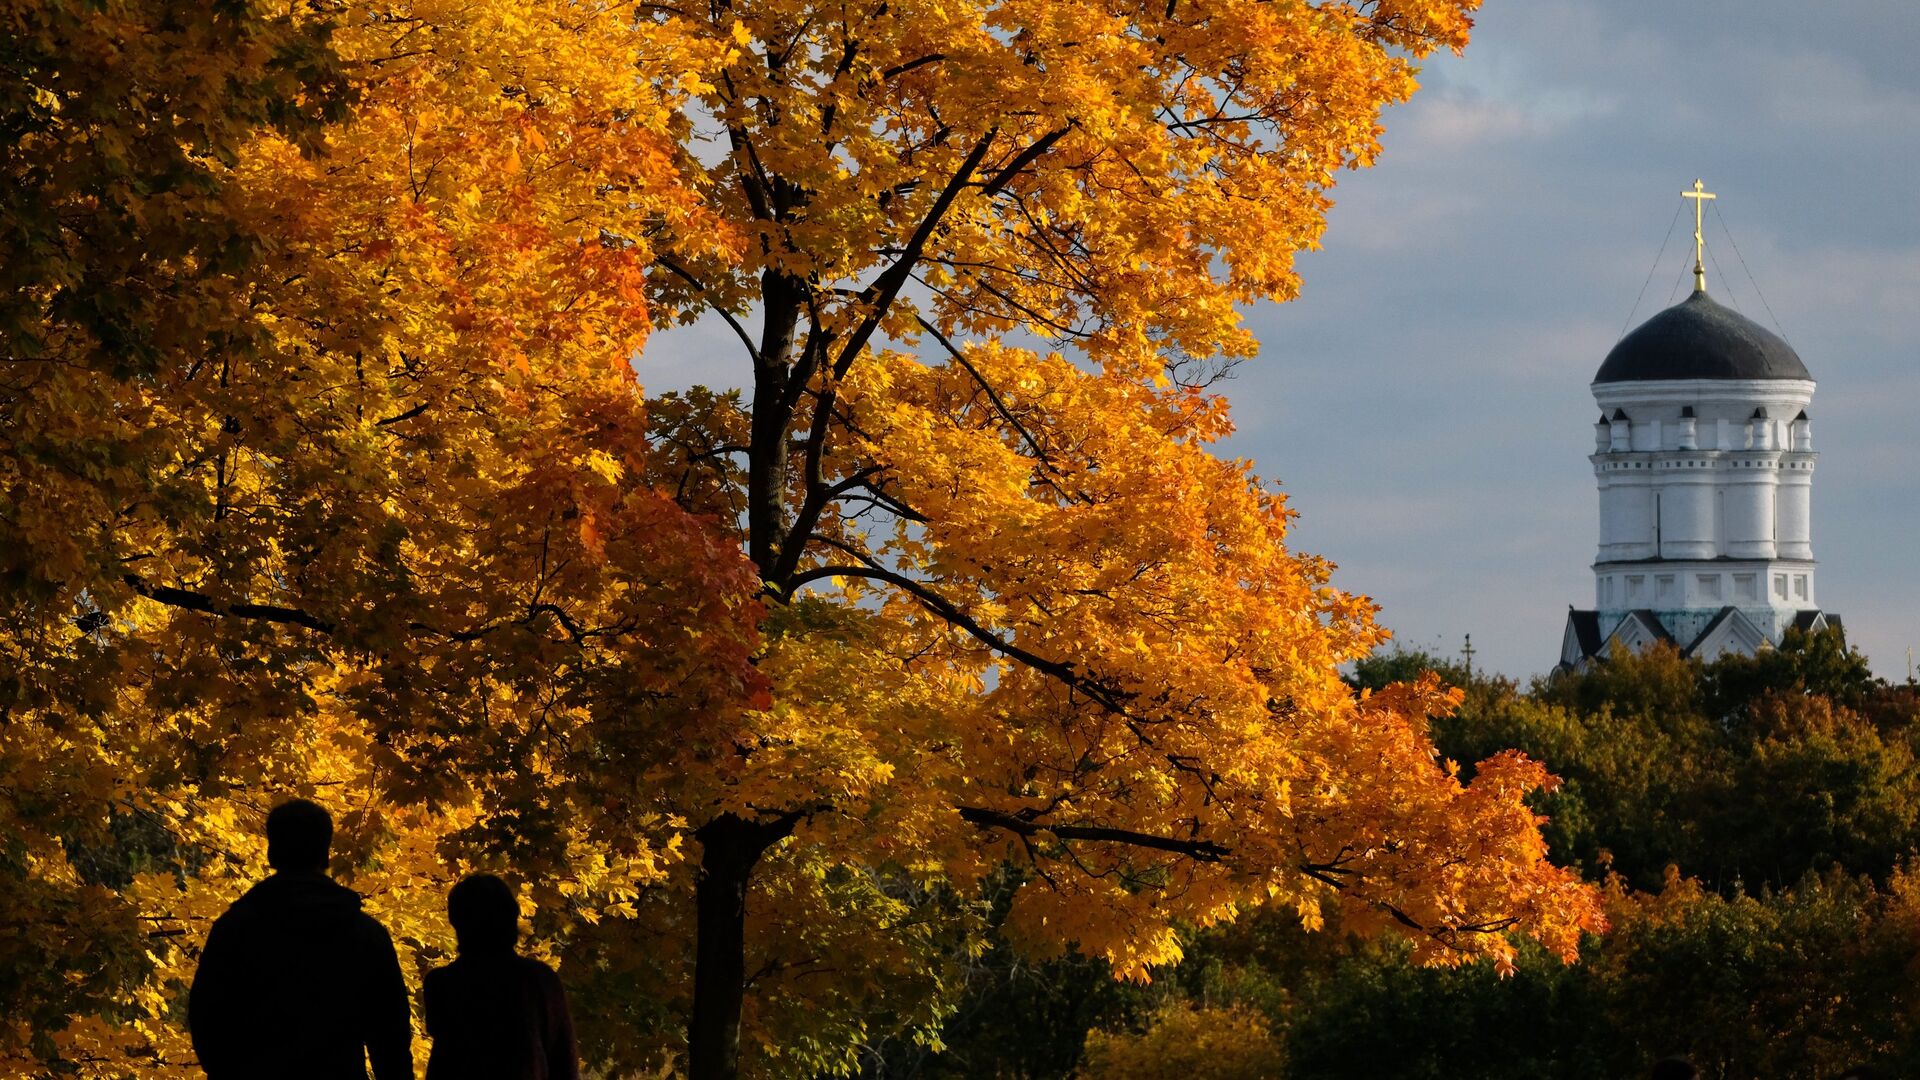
(482, 157)
(1114, 177)
(1160, 667)
(385, 531)
(421, 540)
(1408, 845)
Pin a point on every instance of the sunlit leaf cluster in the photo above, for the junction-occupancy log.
(328, 470)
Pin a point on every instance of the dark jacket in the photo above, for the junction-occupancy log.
(298, 983)
(498, 1016)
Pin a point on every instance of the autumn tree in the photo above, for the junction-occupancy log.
(316, 455)
(1805, 980)
(389, 516)
(1182, 1041)
(120, 258)
(1125, 685)
(1753, 822)
(1752, 770)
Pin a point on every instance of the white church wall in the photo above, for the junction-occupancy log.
(1703, 584)
(1713, 400)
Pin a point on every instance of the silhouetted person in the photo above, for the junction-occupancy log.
(296, 981)
(1674, 1068)
(494, 1014)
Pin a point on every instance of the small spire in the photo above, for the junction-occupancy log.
(1699, 195)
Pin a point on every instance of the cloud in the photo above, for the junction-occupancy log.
(1822, 90)
(1860, 292)
(1426, 399)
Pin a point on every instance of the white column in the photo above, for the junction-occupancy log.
(1626, 516)
(1750, 494)
(1689, 433)
(1796, 512)
(1686, 515)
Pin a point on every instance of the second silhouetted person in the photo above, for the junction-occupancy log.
(494, 1014)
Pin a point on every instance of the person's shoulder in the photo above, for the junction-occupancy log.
(537, 970)
(370, 939)
(371, 931)
(466, 968)
(237, 914)
(244, 914)
(249, 904)
(370, 921)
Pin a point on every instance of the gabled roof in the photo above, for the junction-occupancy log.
(1729, 631)
(1585, 628)
(1815, 621)
(1648, 620)
(1719, 617)
(1636, 629)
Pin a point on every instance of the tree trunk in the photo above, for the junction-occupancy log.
(767, 452)
(731, 845)
(730, 849)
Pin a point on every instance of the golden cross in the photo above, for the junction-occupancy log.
(1699, 195)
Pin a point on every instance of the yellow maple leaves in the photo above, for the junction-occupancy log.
(401, 528)
(1167, 664)
(387, 484)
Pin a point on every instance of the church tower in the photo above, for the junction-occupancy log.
(1704, 459)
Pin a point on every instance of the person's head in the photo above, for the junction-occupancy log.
(484, 914)
(298, 836)
(1674, 1068)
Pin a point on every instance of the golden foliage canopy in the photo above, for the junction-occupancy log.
(367, 501)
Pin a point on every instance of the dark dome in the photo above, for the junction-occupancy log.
(1699, 339)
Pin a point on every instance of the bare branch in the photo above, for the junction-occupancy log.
(1045, 464)
(206, 605)
(902, 69)
(408, 415)
(739, 331)
(880, 295)
(188, 600)
(1025, 158)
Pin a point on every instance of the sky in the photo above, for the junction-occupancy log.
(1425, 402)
